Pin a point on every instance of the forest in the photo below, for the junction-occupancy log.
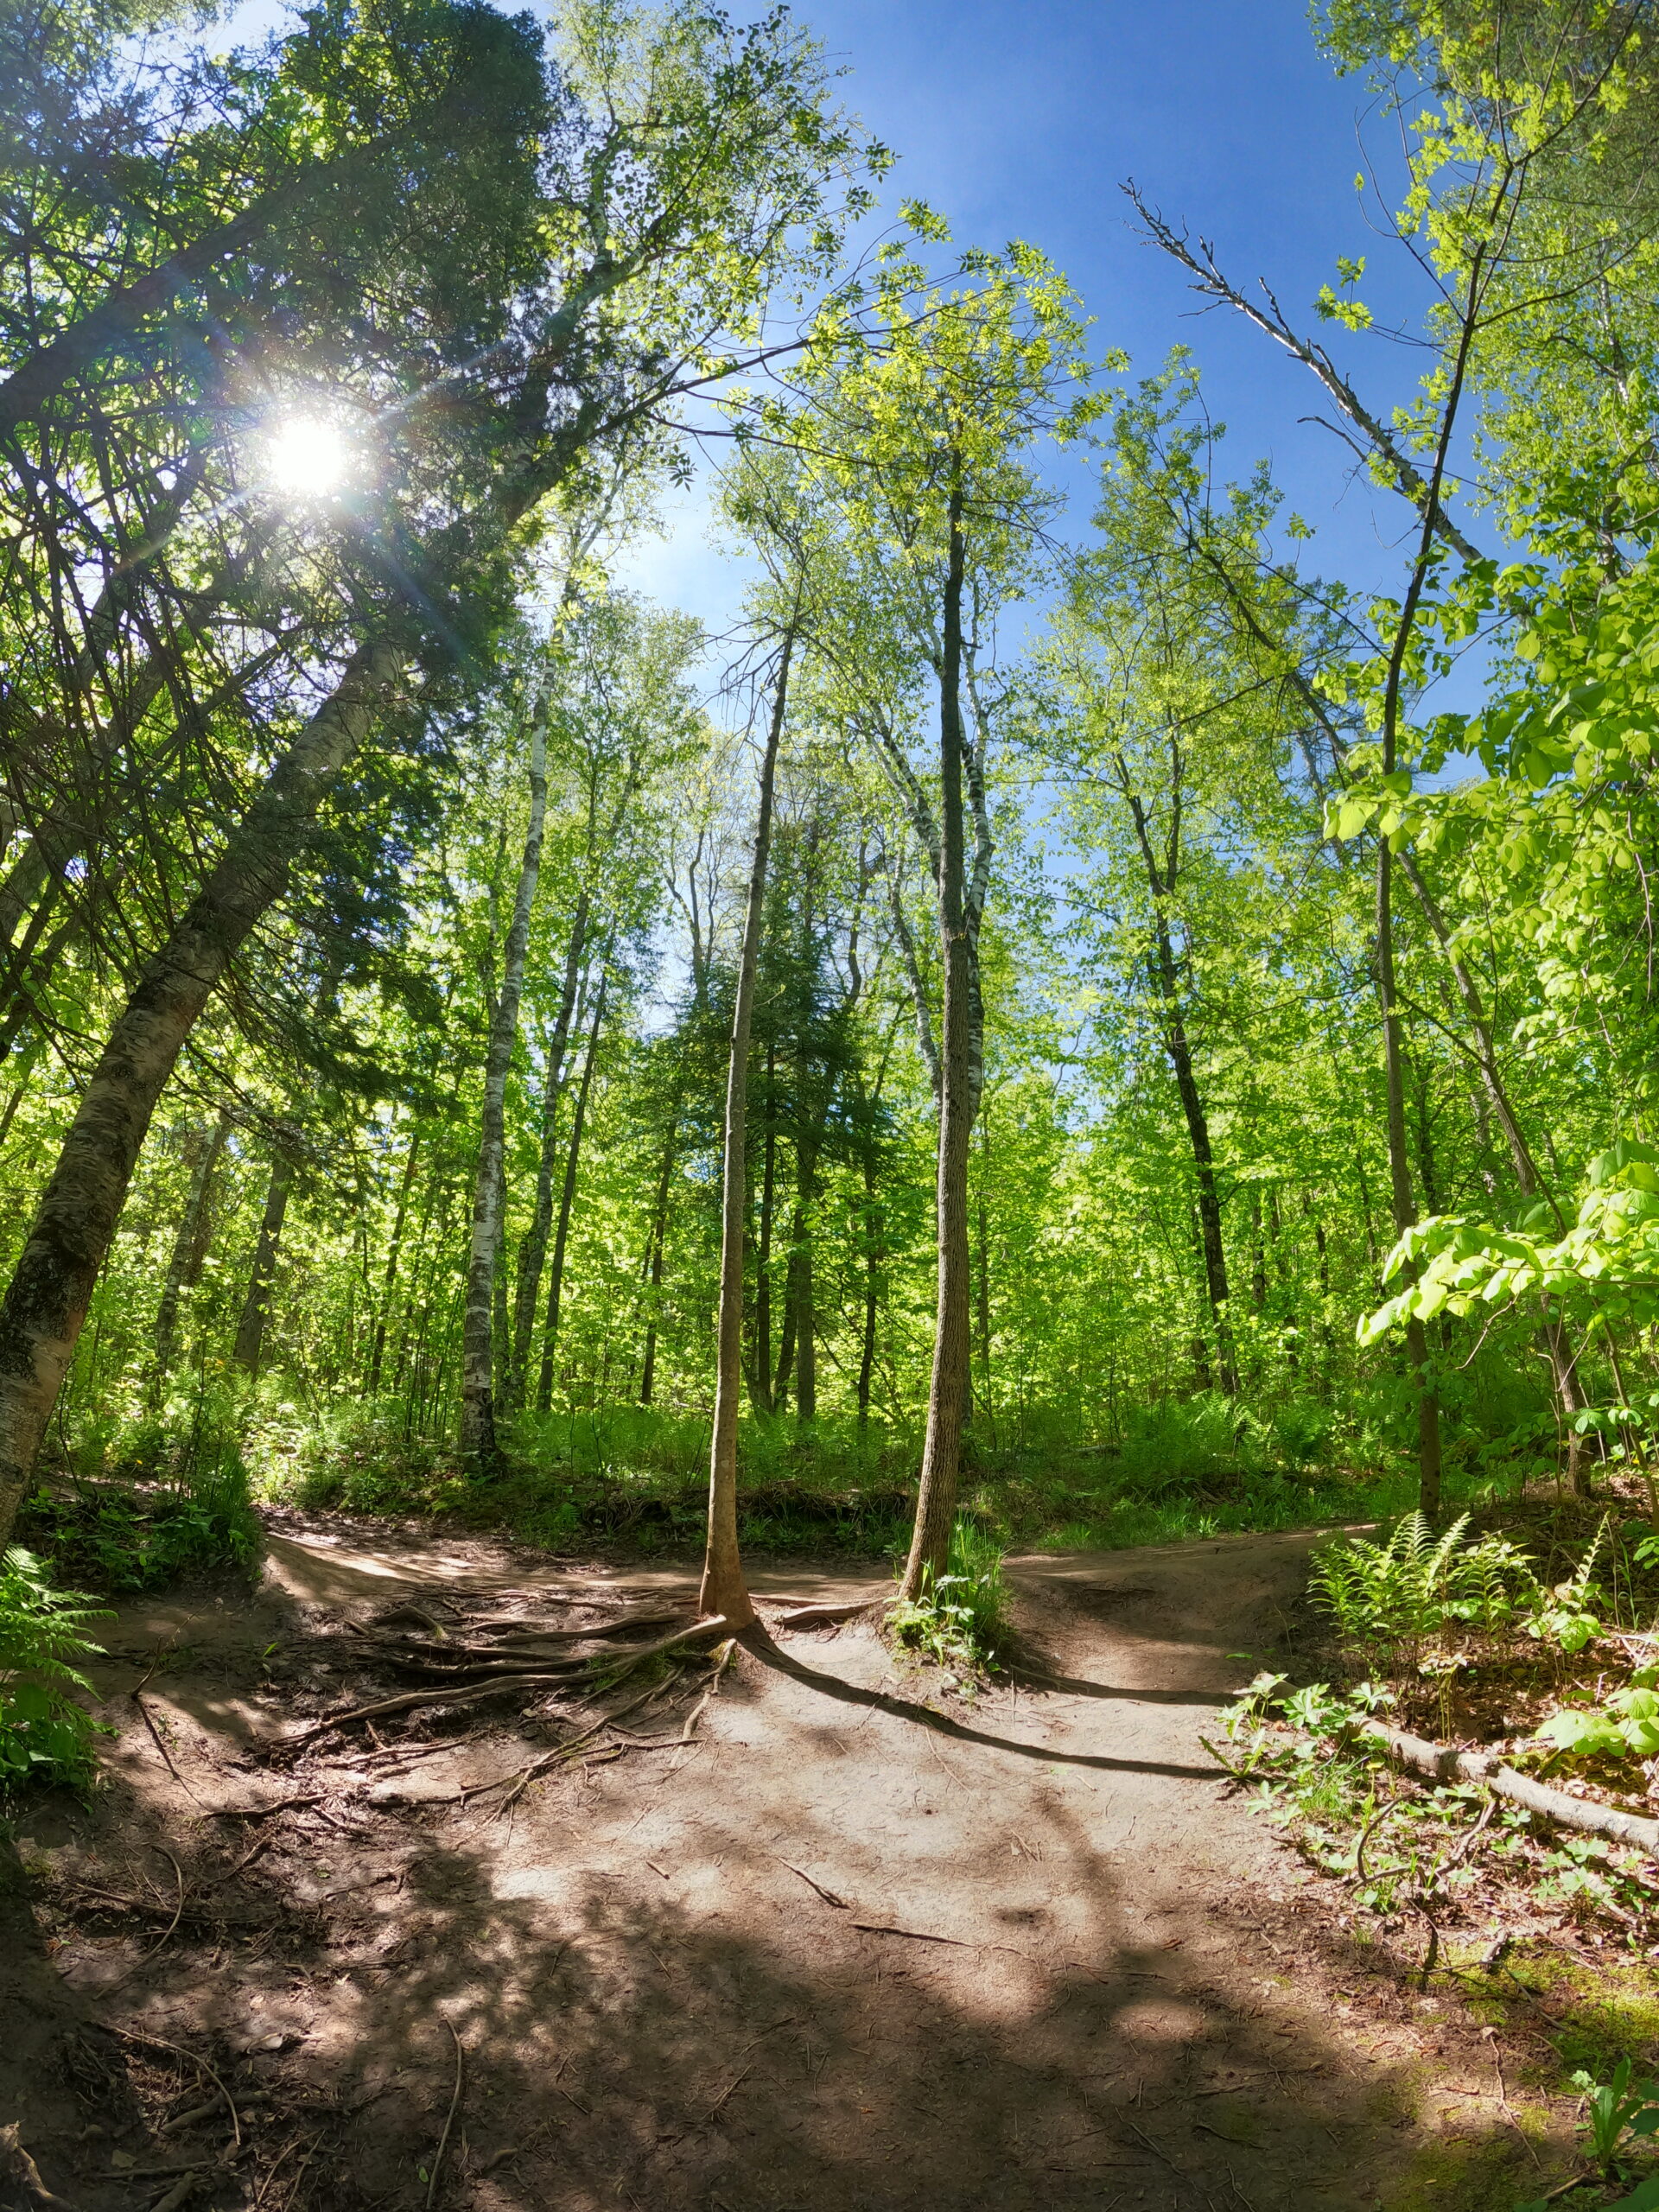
(1075, 1034)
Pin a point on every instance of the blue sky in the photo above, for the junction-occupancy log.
(1022, 118)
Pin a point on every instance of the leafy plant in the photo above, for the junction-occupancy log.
(1626, 1725)
(1567, 1615)
(45, 1733)
(1404, 1590)
(960, 1619)
(1616, 2109)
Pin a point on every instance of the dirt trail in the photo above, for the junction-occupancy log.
(680, 1980)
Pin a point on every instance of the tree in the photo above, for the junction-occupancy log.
(912, 429)
(724, 1591)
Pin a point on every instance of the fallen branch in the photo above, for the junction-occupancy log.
(1445, 1763)
(825, 1615)
(156, 1738)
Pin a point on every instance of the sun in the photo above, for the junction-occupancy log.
(306, 459)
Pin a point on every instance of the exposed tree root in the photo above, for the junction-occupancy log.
(468, 1677)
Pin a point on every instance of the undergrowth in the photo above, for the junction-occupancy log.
(959, 1621)
(1522, 1640)
(46, 1734)
(144, 1506)
(637, 1475)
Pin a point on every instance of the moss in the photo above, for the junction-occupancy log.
(1483, 2173)
(1603, 2013)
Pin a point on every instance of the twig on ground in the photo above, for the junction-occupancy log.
(261, 1812)
(828, 1896)
(26, 2173)
(178, 1910)
(736, 2081)
(181, 2191)
(156, 1738)
(455, 2106)
(159, 2042)
(248, 1857)
(915, 1934)
(1565, 2188)
(1365, 1835)
(1150, 2144)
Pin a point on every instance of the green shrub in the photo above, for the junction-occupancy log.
(177, 1501)
(959, 1620)
(46, 1735)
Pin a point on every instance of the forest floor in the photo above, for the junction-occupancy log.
(862, 1943)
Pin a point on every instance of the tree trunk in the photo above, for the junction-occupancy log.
(1405, 1209)
(724, 1591)
(936, 1502)
(872, 1293)
(189, 1252)
(761, 1387)
(983, 1271)
(1211, 1244)
(806, 1350)
(389, 1280)
(654, 1268)
(567, 1200)
(783, 1373)
(251, 1328)
(45, 1302)
(1289, 1335)
(532, 1246)
(478, 1445)
(1555, 1334)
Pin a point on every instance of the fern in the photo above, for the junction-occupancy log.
(46, 1734)
(1402, 1591)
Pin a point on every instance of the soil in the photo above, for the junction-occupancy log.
(864, 1942)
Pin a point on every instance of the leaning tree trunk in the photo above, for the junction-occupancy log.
(724, 1591)
(190, 1251)
(256, 1306)
(936, 1502)
(45, 1302)
(479, 1446)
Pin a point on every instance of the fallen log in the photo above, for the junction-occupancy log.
(1445, 1763)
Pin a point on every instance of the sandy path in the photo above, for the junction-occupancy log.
(1114, 1987)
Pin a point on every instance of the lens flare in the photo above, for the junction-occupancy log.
(306, 459)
